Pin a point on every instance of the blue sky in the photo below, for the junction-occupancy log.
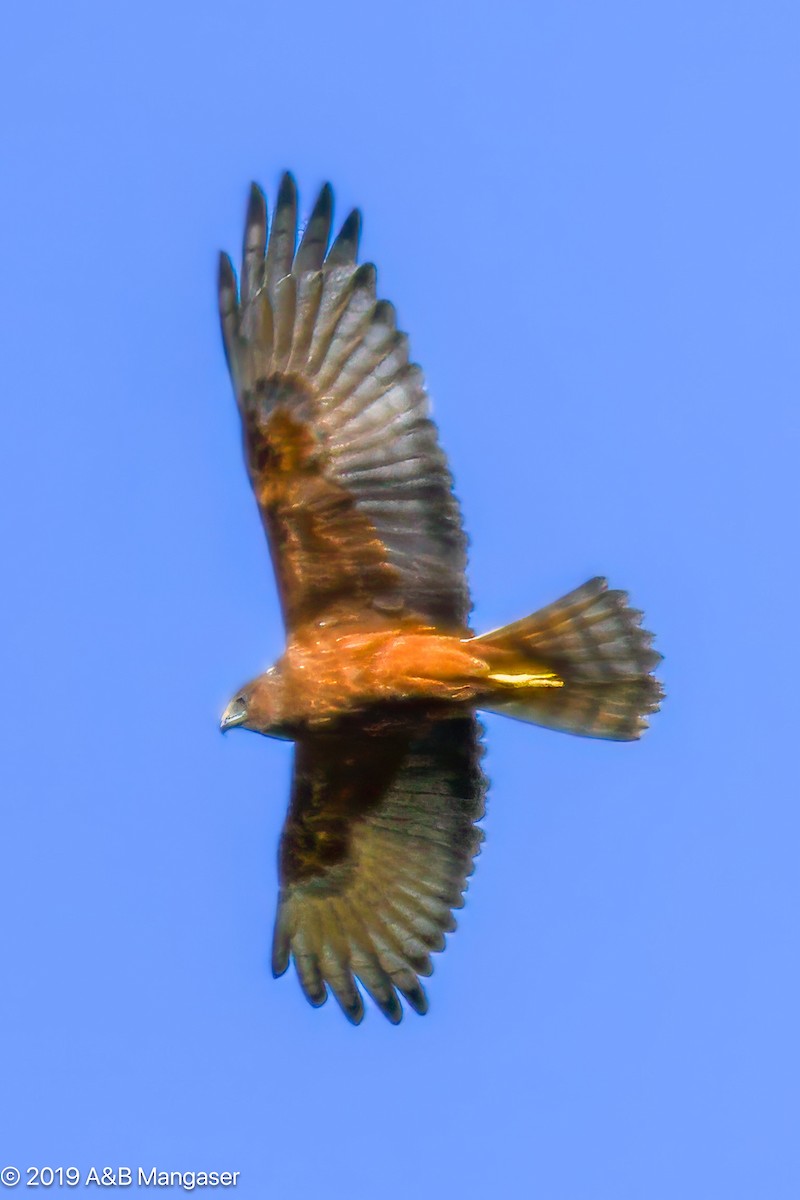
(586, 216)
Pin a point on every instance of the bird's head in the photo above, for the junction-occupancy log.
(256, 706)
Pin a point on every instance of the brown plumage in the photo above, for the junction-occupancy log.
(381, 676)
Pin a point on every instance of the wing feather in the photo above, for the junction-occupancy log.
(309, 293)
(255, 240)
(308, 340)
(284, 306)
(376, 851)
(314, 242)
(283, 235)
(351, 327)
(337, 284)
(345, 247)
(228, 307)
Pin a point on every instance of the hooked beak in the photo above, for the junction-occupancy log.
(235, 714)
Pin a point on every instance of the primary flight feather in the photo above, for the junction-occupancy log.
(381, 676)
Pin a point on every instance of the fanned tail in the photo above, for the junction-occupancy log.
(582, 665)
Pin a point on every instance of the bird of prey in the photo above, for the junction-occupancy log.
(382, 676)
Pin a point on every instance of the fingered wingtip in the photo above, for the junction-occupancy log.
(345, 246)
(255, 240)
(323, 205)
(228, 300)
(353, 1010)
(365, 276)
(257, 197)
(281, 951)
(287, 189)
(316, 235)
(417, 999)
(393, 1012)
(351, 229)
(226, 273)
(256, 220)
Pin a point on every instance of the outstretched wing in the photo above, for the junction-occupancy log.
(353, 488)
(375, 853)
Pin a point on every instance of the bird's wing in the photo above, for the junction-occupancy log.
(375, 853)
(353, 488)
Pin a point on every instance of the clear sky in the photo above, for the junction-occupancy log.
(587, 217)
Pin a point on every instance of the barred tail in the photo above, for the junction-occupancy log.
(582, 665)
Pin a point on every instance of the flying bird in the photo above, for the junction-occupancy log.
(382, 675)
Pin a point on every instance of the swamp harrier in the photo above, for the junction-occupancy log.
(382, 676)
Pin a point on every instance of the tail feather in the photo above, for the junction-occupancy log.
(616, 711)
(592, 643)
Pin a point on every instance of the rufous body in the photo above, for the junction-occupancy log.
(327, 674)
